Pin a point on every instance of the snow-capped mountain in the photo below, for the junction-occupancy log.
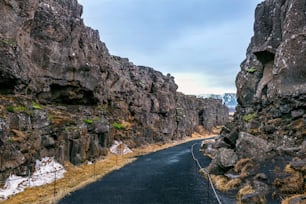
(229, 99)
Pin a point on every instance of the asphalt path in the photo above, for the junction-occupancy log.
(164, 177)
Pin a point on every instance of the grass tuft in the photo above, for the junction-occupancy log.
(36, 106)
(251, 70)
(294, 183)
(243, 167)
(248, 189)
(292, 199)
(88, 121)
(119, 126)
(249, 117)
(224, 184)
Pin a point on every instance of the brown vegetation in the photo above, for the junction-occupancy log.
(222, 183)
(243, 167)
(77, 177)
(291, 183)
(297, 199)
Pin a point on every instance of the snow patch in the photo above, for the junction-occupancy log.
(120, 148)
(46, 171)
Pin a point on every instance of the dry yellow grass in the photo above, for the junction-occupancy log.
(19, 135)
(289, 169)
(224, 184)
(243, 166)
(244, 191)
(77, 177)
(59, 117)
(291, 184)
(287, 200)
(127, 125)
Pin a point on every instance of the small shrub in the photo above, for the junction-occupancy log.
(9, 42)
(118, 126)
(88, 121)
(224, 184)
(251, 70)
(244, 167)
(18, 109)
(36, 106)
(10, 109)
(249, 117)
(248, 189)
(51, 117)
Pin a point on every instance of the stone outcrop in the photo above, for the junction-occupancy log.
(269, 124)
(62, 94)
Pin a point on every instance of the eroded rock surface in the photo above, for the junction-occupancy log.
(63, 95)
(270, 121)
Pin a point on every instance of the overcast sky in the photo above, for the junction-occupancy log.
(199, 42)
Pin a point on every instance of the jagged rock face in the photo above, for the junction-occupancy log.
(272, 82)
(276, 52)
(270, 120)
(48, 51)
(62, 94)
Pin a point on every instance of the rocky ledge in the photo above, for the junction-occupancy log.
(63, 95)
(265, 145)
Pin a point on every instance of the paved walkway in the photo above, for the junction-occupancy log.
(167, 176)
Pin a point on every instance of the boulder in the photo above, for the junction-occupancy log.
(253, 147)
(226, 158)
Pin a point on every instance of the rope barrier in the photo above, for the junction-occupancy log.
(209, 178)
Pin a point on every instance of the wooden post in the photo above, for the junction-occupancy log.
(54, 186)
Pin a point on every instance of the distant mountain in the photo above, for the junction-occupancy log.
(229, 99)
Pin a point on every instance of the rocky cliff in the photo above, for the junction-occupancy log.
(269, 125)
(62, 94)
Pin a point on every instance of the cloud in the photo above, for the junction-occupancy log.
(204, 40)
(209, 56)
(192, 83)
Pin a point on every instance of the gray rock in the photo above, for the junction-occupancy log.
(48, 55)
(261, 177)
(226, 158)
(271, 89)
(40, 119)
(48, 141)
(253, 198)
(261, 187)
(232, 137)
(297, 113)
(299, 165)
(253, 147)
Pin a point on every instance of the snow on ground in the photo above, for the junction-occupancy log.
(46, 171)
(120, 148)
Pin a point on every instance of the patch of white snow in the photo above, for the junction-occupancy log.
(120, 148)
(46, 171)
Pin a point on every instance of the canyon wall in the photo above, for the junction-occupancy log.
(63, 94)
(269, 124)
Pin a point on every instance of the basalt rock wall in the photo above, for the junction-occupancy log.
(270, 120)
(64, 95)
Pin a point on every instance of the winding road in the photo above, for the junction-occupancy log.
(167, 176)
